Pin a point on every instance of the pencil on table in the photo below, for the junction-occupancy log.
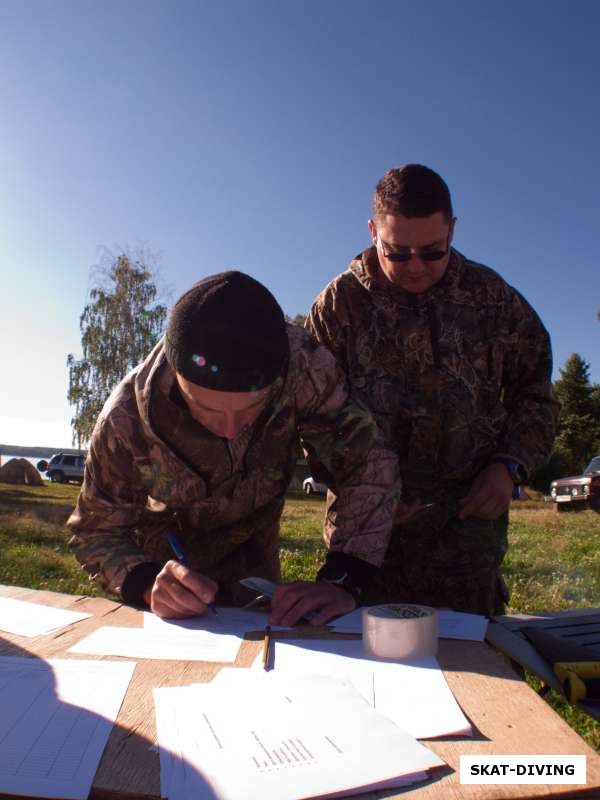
(266, 646)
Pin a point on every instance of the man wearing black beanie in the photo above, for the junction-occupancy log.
(227, 333)
(201, 440)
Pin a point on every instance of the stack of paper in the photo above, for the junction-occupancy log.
(55, 719)
(413, 694)
(259, 735)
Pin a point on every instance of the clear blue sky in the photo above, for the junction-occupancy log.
(251, 135)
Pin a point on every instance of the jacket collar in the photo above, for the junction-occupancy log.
(365, 268)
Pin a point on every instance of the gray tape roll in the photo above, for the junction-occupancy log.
(400, 631)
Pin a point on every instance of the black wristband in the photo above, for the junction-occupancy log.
(347, 572)
(137, 581)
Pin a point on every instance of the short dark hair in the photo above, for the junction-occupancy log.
(412, 191)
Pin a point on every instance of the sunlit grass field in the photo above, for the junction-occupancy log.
(553, 560)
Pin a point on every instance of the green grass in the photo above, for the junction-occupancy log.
(33, 539)
(301, 544)
(553, 560)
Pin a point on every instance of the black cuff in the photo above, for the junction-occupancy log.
(349, 572)
(137, 581)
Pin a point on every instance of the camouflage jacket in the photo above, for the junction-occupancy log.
(454, 376)
(151, 468)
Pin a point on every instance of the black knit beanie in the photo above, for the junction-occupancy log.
(227, 333)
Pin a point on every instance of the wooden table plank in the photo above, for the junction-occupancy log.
(508, 717)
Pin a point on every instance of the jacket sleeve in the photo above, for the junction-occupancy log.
(344, 450)
(327, 328)
(109, 506)
(529, 432)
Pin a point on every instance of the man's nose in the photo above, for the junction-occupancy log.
(415, 263)
(232, 425)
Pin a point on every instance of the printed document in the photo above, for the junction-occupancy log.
(34, 619)
(315, 736)
(413, 694)
(55, 721)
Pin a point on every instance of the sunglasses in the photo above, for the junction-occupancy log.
(406, 255)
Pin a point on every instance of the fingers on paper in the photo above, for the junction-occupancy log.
(321, 601)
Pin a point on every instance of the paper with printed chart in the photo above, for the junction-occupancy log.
(413, 694)
(34, 619)
(56, 717)
(302, 737)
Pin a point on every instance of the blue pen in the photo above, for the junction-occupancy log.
(182, 558)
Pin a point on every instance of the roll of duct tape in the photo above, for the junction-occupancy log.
(400, 631)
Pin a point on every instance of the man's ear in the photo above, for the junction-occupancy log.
(373, 231)
(451, 232)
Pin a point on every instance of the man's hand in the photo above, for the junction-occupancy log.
(179, 592)
(292, 601)
(406, 511)
(489, 495)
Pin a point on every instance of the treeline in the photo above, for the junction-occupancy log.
(578, 438)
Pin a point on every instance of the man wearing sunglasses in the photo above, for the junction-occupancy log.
(455, 366)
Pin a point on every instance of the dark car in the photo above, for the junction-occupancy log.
(578, 491)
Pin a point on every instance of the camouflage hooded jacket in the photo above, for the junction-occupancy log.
(453, 377)
(151, 468)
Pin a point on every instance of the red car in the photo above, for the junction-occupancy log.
(579, 491)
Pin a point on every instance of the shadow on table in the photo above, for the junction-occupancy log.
(52, 767)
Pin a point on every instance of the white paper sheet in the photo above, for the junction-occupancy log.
(34, 619)
(451, 624)
(294, 742)
(55, 720)
(457, 625)
(143, 643)
(251, 681)
(413, 694)
(230, 621)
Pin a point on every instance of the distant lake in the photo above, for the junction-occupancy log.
(34, 461)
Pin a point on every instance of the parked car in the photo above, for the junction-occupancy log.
(311, 486)
(578, 491)
(63, 468)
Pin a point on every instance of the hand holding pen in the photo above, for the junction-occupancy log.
(178, 591)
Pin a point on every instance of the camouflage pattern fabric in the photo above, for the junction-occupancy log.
(453, 377)
(151, 468)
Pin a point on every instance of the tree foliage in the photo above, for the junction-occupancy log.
(119, 326)
(578, 436)
(299, 319)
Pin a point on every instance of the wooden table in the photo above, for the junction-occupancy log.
(507, 716)
(579, 626)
